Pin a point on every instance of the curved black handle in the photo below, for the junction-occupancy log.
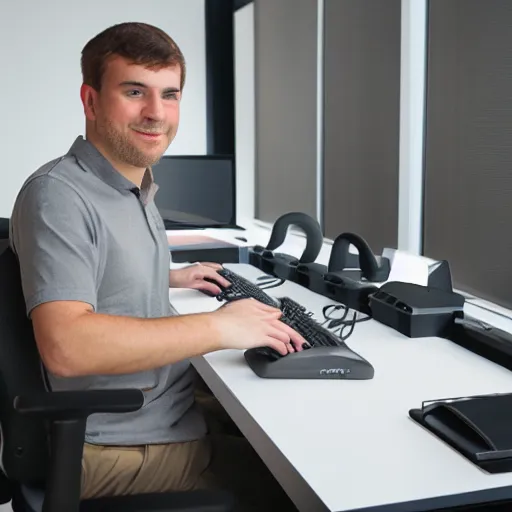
(340, 253)
(314, 236)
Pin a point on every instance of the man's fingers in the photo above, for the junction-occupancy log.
(215, 266)
(296, 339)
(207, 287)
(276, 345)
(213, 274)
(280, 335)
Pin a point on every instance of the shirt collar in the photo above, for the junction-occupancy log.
(93, 161)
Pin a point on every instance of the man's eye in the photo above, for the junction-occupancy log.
(133, 92)
(171, 96)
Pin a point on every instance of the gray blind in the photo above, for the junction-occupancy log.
(361, 119)
(468, 154)
(285, 73)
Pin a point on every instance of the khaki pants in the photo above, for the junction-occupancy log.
(222, 460)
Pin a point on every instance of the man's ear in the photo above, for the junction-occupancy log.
(88, 96)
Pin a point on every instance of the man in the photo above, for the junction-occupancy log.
(95, 261)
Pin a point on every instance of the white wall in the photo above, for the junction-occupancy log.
(244, 111)
(40, 45)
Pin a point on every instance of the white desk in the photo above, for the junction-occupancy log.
(350, 445)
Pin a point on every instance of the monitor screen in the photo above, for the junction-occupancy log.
(198, 189)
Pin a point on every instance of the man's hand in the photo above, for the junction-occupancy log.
(194, 276)
(248, 323)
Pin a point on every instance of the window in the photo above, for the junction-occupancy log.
(468, 144)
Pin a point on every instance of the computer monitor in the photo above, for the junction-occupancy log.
(196, 191)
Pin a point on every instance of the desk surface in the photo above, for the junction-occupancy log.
(350, 445)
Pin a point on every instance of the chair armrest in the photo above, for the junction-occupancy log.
(68, 405)
(67, 413)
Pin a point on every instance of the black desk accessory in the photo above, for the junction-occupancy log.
(281, 265)
(478, 427)
(332, 362)
(348, 281)
(177, 225)
(367, 266)
(419, 311)
(414, 310)
(482, 339)
(214, 253)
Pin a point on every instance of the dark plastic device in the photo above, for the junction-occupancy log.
(478, 427)
(281, 265)
(347, 277)
(352, 286)
(335, 362)
(218, 254)
(483, 339)
(370, 268)
(414, 310)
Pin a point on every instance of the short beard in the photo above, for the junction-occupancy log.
(124, 150)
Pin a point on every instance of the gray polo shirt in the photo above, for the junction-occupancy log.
(84, 232)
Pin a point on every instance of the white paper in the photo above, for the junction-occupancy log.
(407, 267)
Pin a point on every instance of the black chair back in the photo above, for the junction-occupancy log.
(4, 228)
(24, 439)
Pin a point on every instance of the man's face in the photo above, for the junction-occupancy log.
(136, 112)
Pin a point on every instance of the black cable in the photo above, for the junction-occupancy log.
(339, 325)
(336, 322)
(279, 282)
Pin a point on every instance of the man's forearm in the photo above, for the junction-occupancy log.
(96, 343)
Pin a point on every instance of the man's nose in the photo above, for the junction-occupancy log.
(154, 108)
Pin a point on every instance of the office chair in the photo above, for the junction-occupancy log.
(4, 228)
(42, 432)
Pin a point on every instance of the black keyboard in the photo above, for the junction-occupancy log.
(298, 318)
(293, 314)
(242, 288)
(326, 355)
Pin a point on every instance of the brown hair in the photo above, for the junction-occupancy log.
(139, 43)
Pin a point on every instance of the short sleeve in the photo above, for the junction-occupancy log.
(53, 236)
